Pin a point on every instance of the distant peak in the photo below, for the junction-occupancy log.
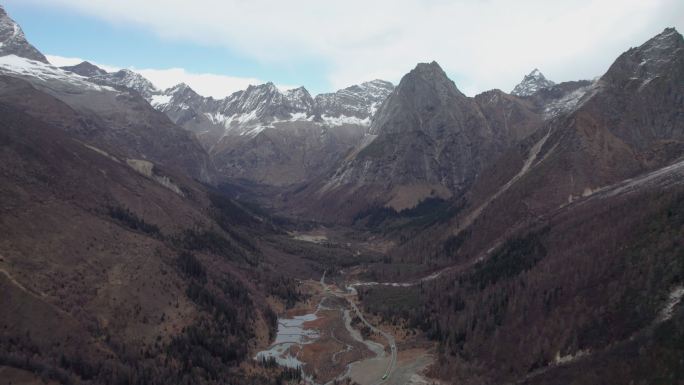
(536, 73)
(126, 71)
(130, 75)
(268, 87)
(129, 79)
(531, 83)
(180, 87)
(85, 69)
(299, 93)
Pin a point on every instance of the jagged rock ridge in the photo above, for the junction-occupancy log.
(13, 41)
(85, 69)
(531, 83)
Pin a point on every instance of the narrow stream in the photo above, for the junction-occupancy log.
(291, 332)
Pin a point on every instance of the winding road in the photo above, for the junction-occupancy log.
(390, 338)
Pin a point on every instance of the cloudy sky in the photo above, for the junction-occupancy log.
(220, 46)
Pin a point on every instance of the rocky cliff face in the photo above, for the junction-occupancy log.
(531, 84)
(643, 93)
(415, 137)
(14, 42)
(628, 122)
(427, 140)
(357, 103)
(127, 79)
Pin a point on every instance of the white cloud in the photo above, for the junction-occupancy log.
(483, 44)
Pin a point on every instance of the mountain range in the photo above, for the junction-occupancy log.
(157, 236)
(250, 133)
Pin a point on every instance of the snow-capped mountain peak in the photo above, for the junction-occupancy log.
(180, 92)
(253, 109)
(180, 87)
(129, 79)
(356, 103)
(532, 83)
(300, 99)
(45, 73)
(13, 41)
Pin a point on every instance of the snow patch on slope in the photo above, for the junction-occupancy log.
(673, 300)
(342, 120)
(15, 65)
(160, 100)
(569, 102)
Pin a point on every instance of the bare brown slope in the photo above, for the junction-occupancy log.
(571, 297)
(111, 274)
(568, 247)
(120, 121)
(628, 122)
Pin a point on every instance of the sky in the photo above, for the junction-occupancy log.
(221, 46)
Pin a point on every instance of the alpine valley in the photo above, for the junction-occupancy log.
(378, 234)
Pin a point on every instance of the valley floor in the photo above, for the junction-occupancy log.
(336, 341)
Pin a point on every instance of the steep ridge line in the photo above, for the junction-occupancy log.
(666, 176)
(532, 156)
(673, 300)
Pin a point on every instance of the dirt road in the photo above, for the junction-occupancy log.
(386, 374)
